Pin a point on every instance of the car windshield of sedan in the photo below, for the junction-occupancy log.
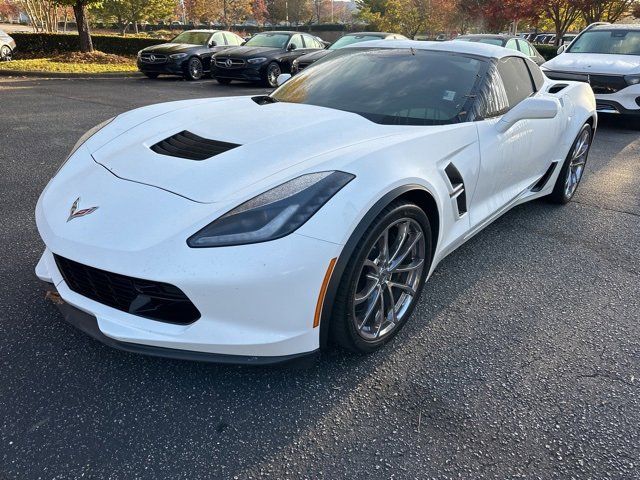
(192, 38)
(275, 40)
(349, 39)
(390, 86)
(614, 41)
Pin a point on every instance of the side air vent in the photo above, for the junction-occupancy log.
(540, 184)
(558, 87)
(192, 147)
(457, 192)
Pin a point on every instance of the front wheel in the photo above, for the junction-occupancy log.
(273, 72)
(194, 69)
(383, 280)
(573, 167)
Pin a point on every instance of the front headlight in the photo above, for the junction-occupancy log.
(274, 213)
(257, 60)
(632, 79)
(176, 56)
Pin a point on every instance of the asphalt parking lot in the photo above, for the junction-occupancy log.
(521, 361)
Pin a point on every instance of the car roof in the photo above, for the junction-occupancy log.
(377, 34)
(617, 26)
(203, 31)
(488, 35)
(469, 48)
(285, 32)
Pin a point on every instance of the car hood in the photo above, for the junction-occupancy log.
(594, 63)
(250, 51)
(315, 56)
(169, 48)
(276, 142)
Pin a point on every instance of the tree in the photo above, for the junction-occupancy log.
(82, 22)
(126, 12)
(260, 12)
(42, 14)
(605, 10)
(8, 9)
(563, 13)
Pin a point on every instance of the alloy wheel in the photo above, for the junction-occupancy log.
(389, 279)
(272, 74)
(577, 163)
(195, 69)
(5, 53)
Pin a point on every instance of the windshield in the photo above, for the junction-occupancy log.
(192, 38)
(614, 41)
(389, 86)
(275, 40)
(349, 39)
(491, 41)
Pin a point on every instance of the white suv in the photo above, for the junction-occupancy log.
(607, 57)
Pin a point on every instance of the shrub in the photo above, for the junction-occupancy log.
(547, 51)
(47, 43)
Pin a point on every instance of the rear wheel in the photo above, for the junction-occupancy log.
(573, 167)
(273, 72)
(5, 53)
(151, 75)
(383, 280)
(194, 69)
(223, 81)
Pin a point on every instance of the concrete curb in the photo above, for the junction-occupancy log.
(39, 74)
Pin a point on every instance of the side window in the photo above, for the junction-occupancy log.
(308, 42)
(491, 100)
(536, 74)
(524, 48)
(297, 41)
(232, 39)
(511, 44)
(516, 78)
(218, 37)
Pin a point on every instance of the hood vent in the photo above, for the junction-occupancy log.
(192, 147)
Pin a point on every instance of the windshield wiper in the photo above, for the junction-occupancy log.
(264, 99)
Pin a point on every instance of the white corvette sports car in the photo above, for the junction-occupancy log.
(258, 229)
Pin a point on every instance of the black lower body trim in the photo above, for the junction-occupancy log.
(610, 106)
(89, 324)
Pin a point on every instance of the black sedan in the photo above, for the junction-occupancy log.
(188, 55)
(264, 57)
(306, 60)
(507, 41)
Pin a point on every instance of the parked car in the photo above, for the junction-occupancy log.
(507, 41)
(257, 229)
(608, 58)
(264, 57)
(348, 39)
(188, 55)
(7, 46)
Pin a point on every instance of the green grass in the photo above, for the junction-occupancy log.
(47, 65)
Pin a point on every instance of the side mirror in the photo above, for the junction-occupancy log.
(212, 43)
(291, 47)
(528, 109)
(562, 48)
(283, 77)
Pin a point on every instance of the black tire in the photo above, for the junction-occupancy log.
(5, 53)
(343, 329)
(224, 81)
(271, 75)
(151, 75)
(194, 69)
(561, 193)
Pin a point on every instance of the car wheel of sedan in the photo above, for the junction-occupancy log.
(383, 280)
(273, 72)
(194, 69)
(573, 167)
(223, 81)
(151, 75)
(5, 53)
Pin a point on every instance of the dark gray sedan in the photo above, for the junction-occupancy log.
(507, 41)
(7, 46)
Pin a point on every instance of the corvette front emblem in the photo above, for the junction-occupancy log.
(75, 213)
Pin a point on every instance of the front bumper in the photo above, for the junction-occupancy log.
(167, 68)
(247, 74)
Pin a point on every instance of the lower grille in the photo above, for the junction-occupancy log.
(144, 298)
